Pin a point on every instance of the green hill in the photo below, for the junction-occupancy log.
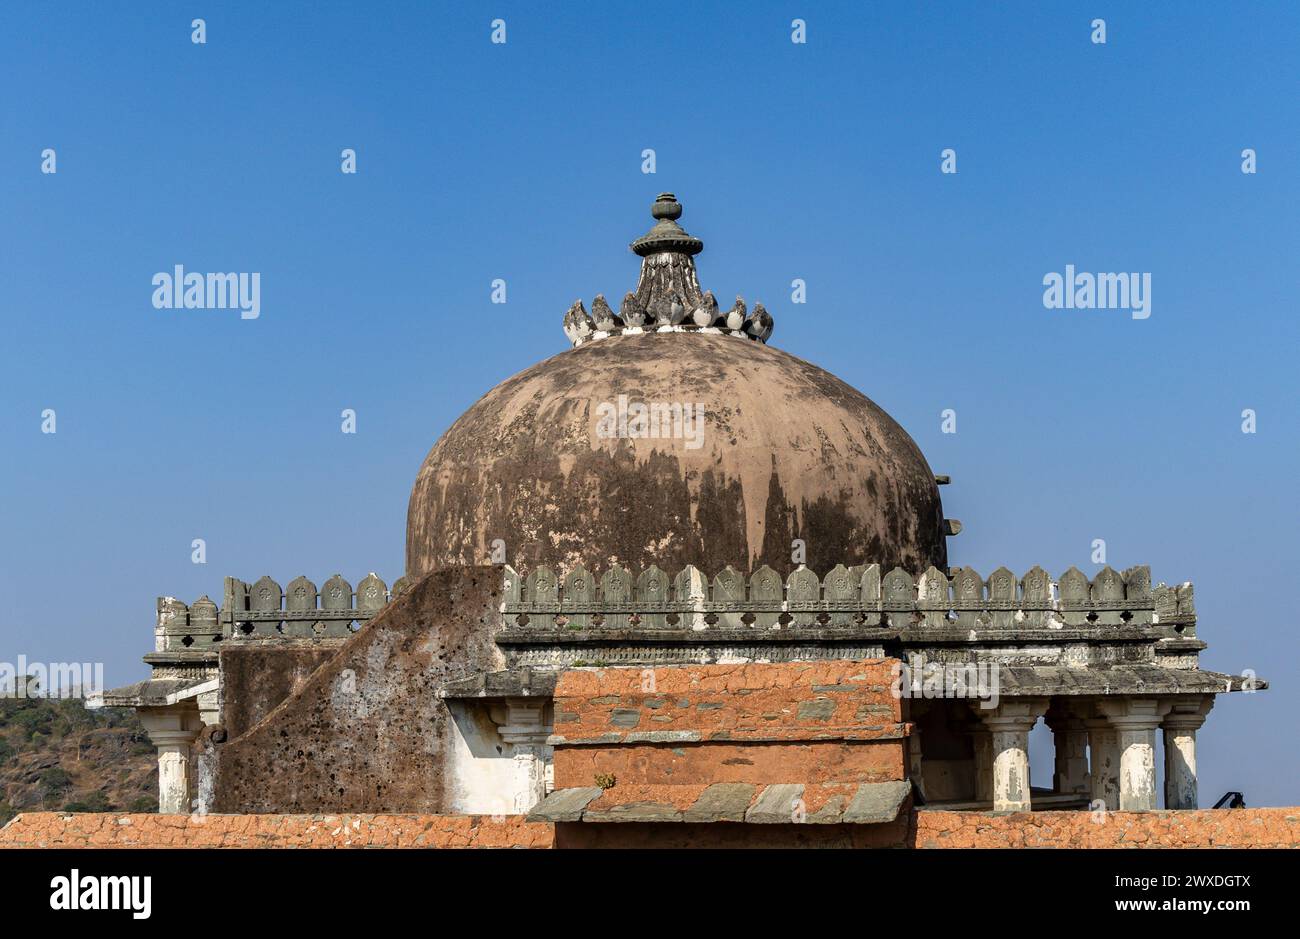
(56, 755)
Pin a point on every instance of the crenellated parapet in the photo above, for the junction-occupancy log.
(861, 596)
(668, 296)
(264, 610)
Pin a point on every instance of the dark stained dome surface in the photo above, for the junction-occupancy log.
(787, 451)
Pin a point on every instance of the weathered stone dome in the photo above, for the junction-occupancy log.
(674, 443)
(785, 450)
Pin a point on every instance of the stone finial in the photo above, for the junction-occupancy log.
(668, 298)
(666, 234)
(632, 312)
(676, 307)
(735, 319)
(760, 324)
(706, 314)
(577, 323)
(604, 318)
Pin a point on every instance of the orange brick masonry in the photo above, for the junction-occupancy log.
(1224, 828)
(811, 763)
(58, 830)
(1206, 828)
(800, 701)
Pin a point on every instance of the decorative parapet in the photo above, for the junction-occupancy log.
(847, 596)
(263, 610)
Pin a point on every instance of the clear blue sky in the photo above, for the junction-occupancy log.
(523, 161)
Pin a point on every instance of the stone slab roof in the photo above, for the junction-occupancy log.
(152, 693)
(1016, 680)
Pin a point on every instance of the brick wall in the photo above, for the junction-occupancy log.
(1224, 828)
(812, 763)
(662, 736)
(1207, 828)
(58, 830)
(843, 700)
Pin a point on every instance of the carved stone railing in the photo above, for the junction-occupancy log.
(847, 596)
(263, 610)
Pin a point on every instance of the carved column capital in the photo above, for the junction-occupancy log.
(1133, 714)
(1187, 715)
(526, 722)
(1013, 714)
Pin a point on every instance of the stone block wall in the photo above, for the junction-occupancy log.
(257, 676)
(366, 731)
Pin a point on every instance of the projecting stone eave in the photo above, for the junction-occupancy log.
(1119, 680)
(512, 683)
(151, 693)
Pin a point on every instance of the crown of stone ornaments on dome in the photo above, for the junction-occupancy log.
(667, 296)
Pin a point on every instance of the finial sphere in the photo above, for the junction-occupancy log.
(666, 235)
(666, 206)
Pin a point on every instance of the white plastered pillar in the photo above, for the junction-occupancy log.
(172, 730)
(1070, 740)
(1180, 726)
(1103, 762)
(1136, 720)
(526, 728)
(1009, 725)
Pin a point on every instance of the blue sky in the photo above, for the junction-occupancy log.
(523, 161)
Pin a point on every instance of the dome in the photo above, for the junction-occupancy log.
(672, 434)
(783, 450)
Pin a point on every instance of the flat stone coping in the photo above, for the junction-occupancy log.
(778, 804)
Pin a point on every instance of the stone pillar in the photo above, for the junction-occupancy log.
(983, 763)
(1070, 738)
(1180, 725)
(915, 765)
(209, 708)
(172, 730)
(1009, 725)
(1136, 720)
(204, 785)
(1103, 770)
(526, 728)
